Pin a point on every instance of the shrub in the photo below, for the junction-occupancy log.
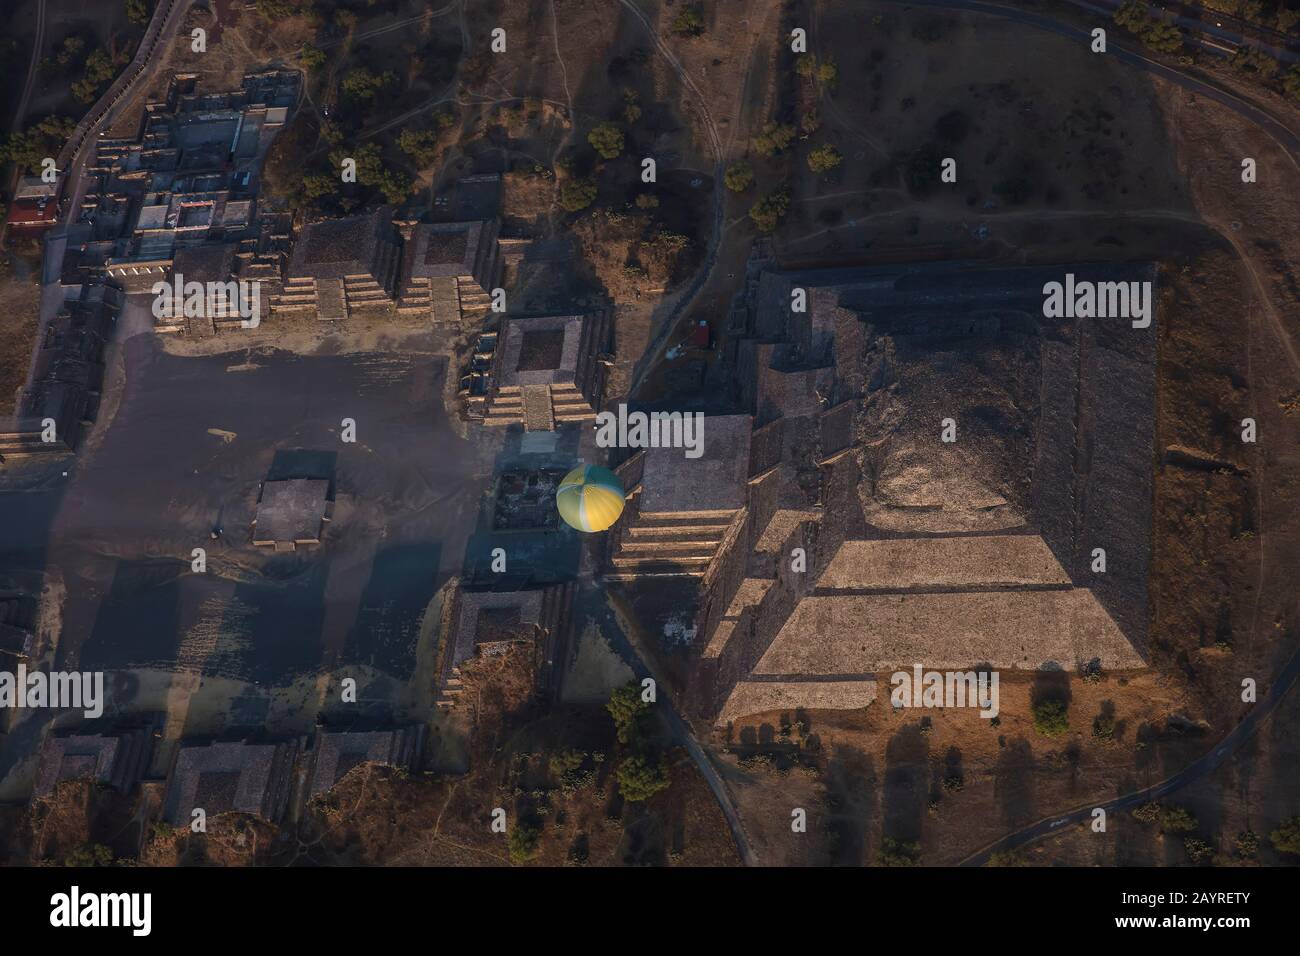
(639, 779)
(629, 712)
(420, 144)
(898, 853)
(647, 201)
(768, 211)
(363, 86)
(1246, 844)
(1007, 858)
(522, 841)
(1286, 838)
(773, 138)
(1147, 813)
(739, 176)
(824, 158)
(689, 22)
(607, 140)
(1176, 820)
(89, 854)
(137, 11)
(1159, 35)
(312, 57)
(1050, 718)
(577, 194)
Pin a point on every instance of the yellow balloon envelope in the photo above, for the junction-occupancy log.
(590, 498)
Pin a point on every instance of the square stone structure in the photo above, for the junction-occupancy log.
(291, 512)
(116, 759)
(681, 510)
(253, 778)
(545, 370)
(335, 753)
(343, 266)
(484, 623)
(449, 270)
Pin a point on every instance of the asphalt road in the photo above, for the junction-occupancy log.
(618, 632)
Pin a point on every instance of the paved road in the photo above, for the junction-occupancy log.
(619, 633)
(1200, 21)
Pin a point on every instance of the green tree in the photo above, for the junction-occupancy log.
(577, 194)
(420, 144)
(96, 74)
(1246, 844)
(631, 105)
(640, 779)
(319, 185)
(828, 73)
(1007, 858)
(768, 211)
(275, 9)
(898, 853)
(137, 11)
(1291, 82)
(522, 841)
(371, 171)
(363, 85)
(1198, 851)
(629, 712)
(1159, 35)
(607, 140)
(89, 854)
(1177, 820)
(824, 158)
(689, 22)
(1050, 718)
(739, 176)
(1147, 813)
(26, 150)
(773, 138)
(313, 58)
(1286, 838)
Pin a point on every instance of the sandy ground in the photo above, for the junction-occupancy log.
(20, 300)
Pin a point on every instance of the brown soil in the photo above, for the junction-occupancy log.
(20, 309)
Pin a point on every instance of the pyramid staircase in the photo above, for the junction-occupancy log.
(669, 544)
(538, 414)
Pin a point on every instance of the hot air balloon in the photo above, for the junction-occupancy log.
(590, 498)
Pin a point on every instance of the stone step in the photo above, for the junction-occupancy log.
(688, 546)
(629, 576)
(653, 560)
(711, 533)
(670, 519)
